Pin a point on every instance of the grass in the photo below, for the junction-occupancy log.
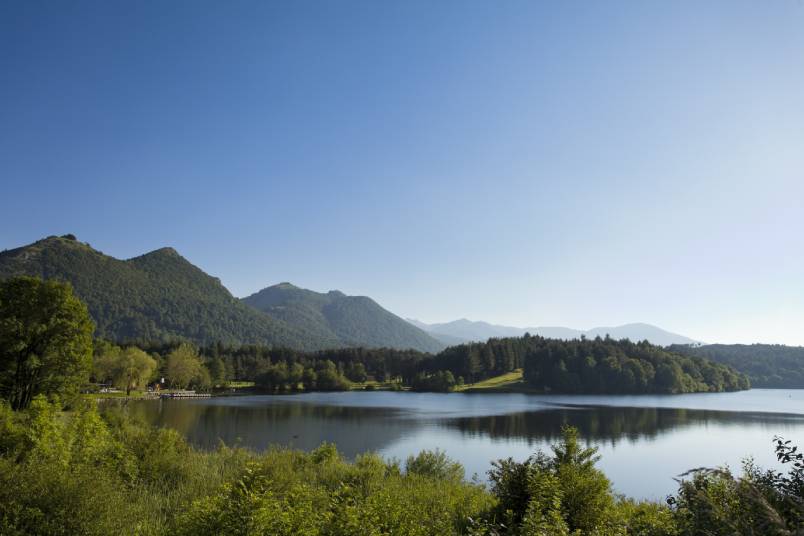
(121, 394)
(508, 382)
(239, 385)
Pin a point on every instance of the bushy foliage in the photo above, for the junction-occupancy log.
(716, 502)
(125, 368)
(290, 493)
(561, 493)
(434, 464)
(184, 368)
(441, 381)
(83, 473)
(86, 473)
(45, 340)
(564, 494)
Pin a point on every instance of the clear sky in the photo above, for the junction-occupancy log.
(521, 162)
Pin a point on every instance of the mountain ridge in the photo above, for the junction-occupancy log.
(348, 320)
(469, 330)
(156, 296)
(160, 296)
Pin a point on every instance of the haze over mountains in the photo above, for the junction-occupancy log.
(464, 330)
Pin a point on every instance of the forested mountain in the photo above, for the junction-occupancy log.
(158, 296)
(767, 365)
(464, 330)
(341, 320)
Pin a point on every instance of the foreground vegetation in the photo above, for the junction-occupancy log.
(83, 472)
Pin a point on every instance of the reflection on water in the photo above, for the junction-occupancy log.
(305, 426)
(604, 424)
(644, 441)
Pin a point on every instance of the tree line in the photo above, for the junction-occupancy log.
(774, 366)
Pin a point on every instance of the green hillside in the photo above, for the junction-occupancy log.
(336, 317)
(159, 296)
(768, 365)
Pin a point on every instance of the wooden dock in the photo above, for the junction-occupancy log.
(185, 394)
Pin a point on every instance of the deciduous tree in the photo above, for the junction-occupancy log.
(45, 340)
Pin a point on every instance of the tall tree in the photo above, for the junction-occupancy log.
(45, 340)
(184, 366)
(133, 369)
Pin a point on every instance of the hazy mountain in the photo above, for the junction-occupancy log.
(448, 340)
(464, 330)
(468, 330)
(158, 296)
(341, 319)
(640, 332)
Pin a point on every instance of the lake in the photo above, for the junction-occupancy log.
(645, 441)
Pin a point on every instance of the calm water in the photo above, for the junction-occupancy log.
(645, 441)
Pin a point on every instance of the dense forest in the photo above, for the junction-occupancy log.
(609, 366)
(600, 365)
(766, 365)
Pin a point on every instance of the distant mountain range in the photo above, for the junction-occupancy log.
(160, 296)
(464, 330)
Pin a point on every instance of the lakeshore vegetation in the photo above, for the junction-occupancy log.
(47, 348)
(73, 470)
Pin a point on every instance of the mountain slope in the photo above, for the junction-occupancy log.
(347, 320)
(158, 296)
(641, 332)
(468, 330)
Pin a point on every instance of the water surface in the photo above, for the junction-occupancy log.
(645, 441)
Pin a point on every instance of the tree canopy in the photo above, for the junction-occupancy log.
(184, 367)
(127, 368)
(45, 340)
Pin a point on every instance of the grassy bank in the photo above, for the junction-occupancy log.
(511, 382)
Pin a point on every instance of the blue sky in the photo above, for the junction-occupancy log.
(527, 163)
